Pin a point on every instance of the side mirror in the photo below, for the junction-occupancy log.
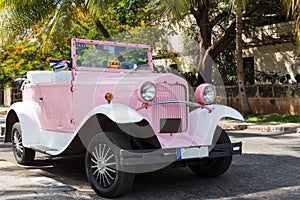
(19, 82)
(59, 65)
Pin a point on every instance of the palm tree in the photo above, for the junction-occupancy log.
(19, 15)
(293, 8)
(239, 7)
(178, 9)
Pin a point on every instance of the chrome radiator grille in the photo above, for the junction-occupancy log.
(172, 111)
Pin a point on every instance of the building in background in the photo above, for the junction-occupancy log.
(271, 50)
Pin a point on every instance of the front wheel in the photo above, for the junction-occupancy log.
(213, 167)
(102, 162)
(23, 155)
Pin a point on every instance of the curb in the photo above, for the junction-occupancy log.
(261, 127)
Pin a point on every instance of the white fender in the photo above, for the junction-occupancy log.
(202, 123)
(116, 112)
(28, 113)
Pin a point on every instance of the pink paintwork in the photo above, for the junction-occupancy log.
(200, 91)
(55, 100)
(124, 87)
(66, 98)
(148, 118)
(124, 84)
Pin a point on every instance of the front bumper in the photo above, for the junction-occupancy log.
(161, 156)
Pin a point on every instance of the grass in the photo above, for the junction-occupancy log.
(273, 118)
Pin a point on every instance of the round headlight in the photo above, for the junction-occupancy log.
(148, 91)
(206, 94)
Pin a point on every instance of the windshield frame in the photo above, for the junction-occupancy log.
(74, 41)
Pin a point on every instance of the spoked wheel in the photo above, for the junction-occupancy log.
(213, 167)
(23, 155)
(104, 172)
(103, 165)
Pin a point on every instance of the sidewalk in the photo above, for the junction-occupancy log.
(261, 126)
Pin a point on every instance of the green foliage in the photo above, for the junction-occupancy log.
(50, 27)
(61, 16)
(227, 67)
(293, 9)
(130, 21)
(26, 54)
(273, 118)
(84, 27)
(191, 78)
(262, 76)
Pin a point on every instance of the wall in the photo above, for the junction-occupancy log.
(280, 58)
(267, 99)
(274, 49)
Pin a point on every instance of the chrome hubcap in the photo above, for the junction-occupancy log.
(103, 164)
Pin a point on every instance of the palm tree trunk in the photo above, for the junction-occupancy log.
(245, 108)
(101, 28)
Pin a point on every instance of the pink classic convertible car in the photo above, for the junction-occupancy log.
(126, 118)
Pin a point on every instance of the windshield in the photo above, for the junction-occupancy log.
(111, 56)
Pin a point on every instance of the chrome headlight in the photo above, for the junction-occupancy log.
(147, 91)
(206, 94)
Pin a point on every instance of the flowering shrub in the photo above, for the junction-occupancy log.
(27, 54)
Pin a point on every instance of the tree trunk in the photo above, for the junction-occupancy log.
(201, 15)
(101, 28)
(7, 96)
(245, 108)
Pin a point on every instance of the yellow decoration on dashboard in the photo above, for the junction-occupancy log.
(114, 64)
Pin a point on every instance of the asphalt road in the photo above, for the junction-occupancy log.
(268, 169)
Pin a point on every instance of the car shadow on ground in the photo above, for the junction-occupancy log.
(249, 174)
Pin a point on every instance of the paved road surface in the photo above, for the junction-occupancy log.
(269, 169)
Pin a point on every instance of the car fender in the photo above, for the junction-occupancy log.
(105, 118)
(27, 114)
(118, 113)
(203, 123)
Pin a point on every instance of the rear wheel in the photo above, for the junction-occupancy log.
(102, 162)
(213, 167)
(23, 155)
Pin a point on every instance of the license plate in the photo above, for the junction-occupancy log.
(192, 152)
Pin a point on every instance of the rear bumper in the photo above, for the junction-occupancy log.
(156, 156)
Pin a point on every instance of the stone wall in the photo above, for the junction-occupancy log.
(266, 99)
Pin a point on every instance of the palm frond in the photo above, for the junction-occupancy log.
(61, 23)
(19, 15)
(95, 7)
(175, 9)
(293, 9)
